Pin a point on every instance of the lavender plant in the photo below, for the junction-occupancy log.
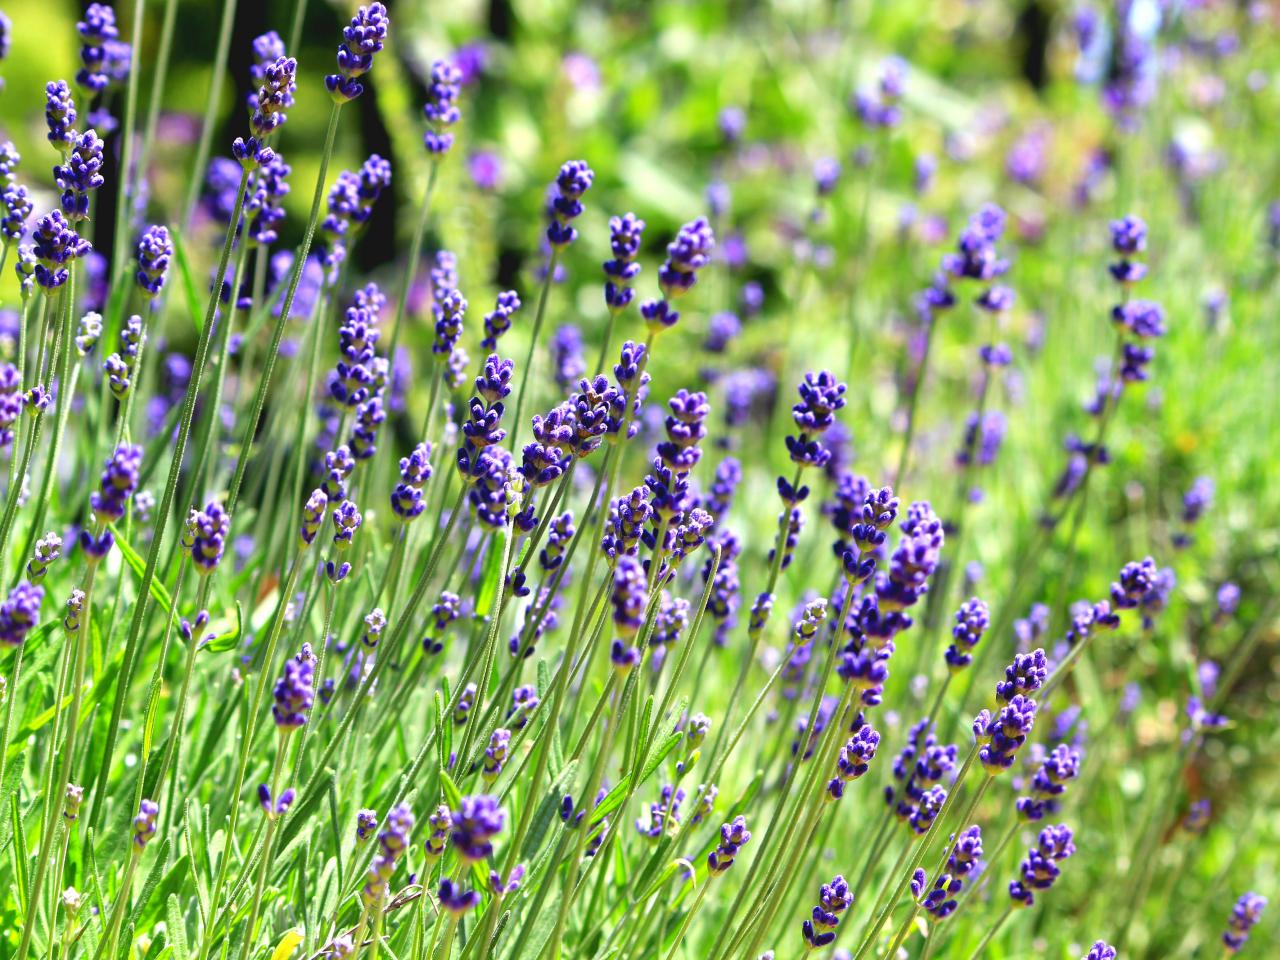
(362, 648)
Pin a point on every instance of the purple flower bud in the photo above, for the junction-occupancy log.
(1244, 916)
(733, 837)
(144, 824)
(360, 41)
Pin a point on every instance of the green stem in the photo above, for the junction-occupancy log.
(990, 934)
(124, 205)
(217, 76)
(272, 820)
(415, 254)
(534, 334)
(142, 605)
(64, 765)
(264, 381)
(122, 900)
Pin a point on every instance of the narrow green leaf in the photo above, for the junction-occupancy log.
(452, 795)
(492, 574)
(612, 801)
(176, 926)
(188, 285)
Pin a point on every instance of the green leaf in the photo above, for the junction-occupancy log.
(191, 293)
(659, 755)
(145, 915)
(612, 801)
(491, 577)
(230, 640)
(452, 795)
(158, 592)
(176, 926)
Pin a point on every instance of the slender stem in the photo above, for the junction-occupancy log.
(688, 919)
(217, 76)
(124, 205)
(990, 934)
(264, 381)
(250, 724)
(122, 901)
(81, 640)
(142, 605)
(534, 335)
(272, 820)
(917, 384)
(158, 78)
(415, 254)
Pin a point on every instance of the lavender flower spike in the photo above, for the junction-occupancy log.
(733, 837)
(18, 614)
(1244, 916)
(360, 41)
(441, 108)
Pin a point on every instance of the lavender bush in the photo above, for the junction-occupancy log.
(849, 531)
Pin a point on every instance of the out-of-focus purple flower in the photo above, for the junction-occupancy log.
(732, 123)
(144, 824)
(722, 329)
(879, 108)
(1244, 916)
(393, 841)
(485, 168)
(1025, 161)
(18, 613)
(476, 821)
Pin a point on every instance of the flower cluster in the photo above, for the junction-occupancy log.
(55, 245)
(122, 367)
(1040, 868)
(1049, 782)
(965, 860)
(733, 837)
(918, 771)
(972, 620)
(625, 235)
(1001, 736)
(834, 898)
(415, 471)
(565, 206)
(854, 760)
(1244, 916)
(206, 536)
(393, 841)
(441, 108)
(18, 613)
(294, 694)
(144, 824)
(155, 250)
(119, 482)
(475, 823)
(361, 39)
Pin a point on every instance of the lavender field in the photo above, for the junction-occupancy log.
(721, 480)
